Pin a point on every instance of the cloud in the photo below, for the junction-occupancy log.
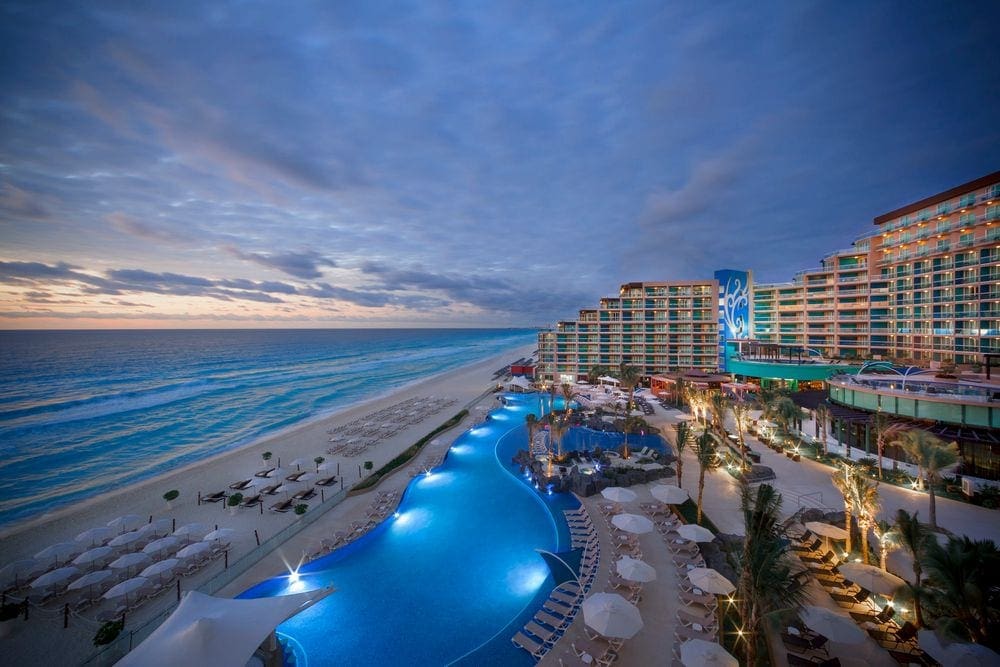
(18, 203)
(299, 264)
(129, 225)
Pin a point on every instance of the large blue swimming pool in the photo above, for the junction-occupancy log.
(452, 577)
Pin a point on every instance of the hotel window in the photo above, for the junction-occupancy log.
(992, 212)
(967, 200)
(943, 209)
(966, 239)
(995, 191)
(943, 245)
(942, 226)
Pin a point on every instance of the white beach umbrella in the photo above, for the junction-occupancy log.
(873, 578)
(701, 653)
(633, 523)
(159, 568)
(279, 473)
(827, 530)
(710, 581)
(671, 495)
(90, 579)
(299, 462)
(193, 530)
(125, 588)
(220, 534)
(956, 653)
(162, 544)
(92, 556)
(55, 577)
(611, 615)
(126, 522)
(836, 627)
(192, 550)
(157, 528)
(696, 533)
(129, 560)
(618, 494)
(125, 539)
(55, 553)
(308, 477)
(632, 569)
(95, 536)
(19, 570)
(329, 465)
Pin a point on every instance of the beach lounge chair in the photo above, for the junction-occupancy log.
(327, 481)
(556, 622)
(700, 623)
(239, 486)
(251, 501)
(521, 640)
(880, 618)
(270, 490)
(851, 600)
(214, 497)
(264, 473)
(565, 598)
(557, 607)
(802, 643)
(897, 639)
(294, 477)
(283, 506)
(546, 636)
(305, 495)
(817, 558)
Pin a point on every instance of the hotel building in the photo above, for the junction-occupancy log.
(923, 286)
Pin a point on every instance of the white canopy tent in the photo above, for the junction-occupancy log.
(517, 384)
(206, 630)
(607, 379)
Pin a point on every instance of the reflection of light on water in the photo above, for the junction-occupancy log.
(436, 478)
(295, 583)
(527, 579)
(410, 520)
(461, 449)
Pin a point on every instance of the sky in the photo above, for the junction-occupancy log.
(310, 164)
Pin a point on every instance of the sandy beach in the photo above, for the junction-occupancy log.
(31, 641)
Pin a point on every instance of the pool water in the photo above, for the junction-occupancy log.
(452, 576)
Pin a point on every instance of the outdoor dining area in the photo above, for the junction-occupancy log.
(116, 566)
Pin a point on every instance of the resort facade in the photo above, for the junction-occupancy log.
(923, 286)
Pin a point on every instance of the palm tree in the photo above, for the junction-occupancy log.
(532, 423)
(720, 406)
(786, 413)
(680, 391)
(741, 413)
(885, 431)
(595, 373)
(568, 394)
(932, 455)
(683, 440)
(766, 582)
(843, 481)
(823, 420)
(964, 588)
(629, 377)
(632, 425)
(557, 429)
(705, 450)
(914, 537)
(888, 541)
(865, 498)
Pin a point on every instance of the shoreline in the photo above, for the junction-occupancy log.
(262, 442)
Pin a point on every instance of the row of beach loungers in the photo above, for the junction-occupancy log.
(821, 564)
(540, 634)
(380, 508)
(353, 438)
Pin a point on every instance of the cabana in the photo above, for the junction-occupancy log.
(206, 630)
(607, 379)
(517, 384)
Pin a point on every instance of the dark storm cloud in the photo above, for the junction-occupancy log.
(521, 159)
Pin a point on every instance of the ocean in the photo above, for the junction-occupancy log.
(83, 412)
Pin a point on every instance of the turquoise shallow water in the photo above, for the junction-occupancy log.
(452, 577)
(82, 412)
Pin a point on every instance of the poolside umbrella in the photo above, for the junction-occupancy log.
(956, 653)
(95, 536)
(632, 523)
(125, 523)
(695, 533)
(279, 473)
(611, 615)
(192, 530)
(618, 494)
(701, 653)
(24, 568)
(58, 552)
(220, 535)
(329, 465)
(162, 544)
(92, 556)
(298, 463)
(125, 539)
(192, 550)
(670, 495)
(157, 528)
(159, 568)
(55, 577)
(129, 560)
(873, 578)
(125, 587)
(835, 627)
(827, 530)
(632, 569)
(710, 581)
(90, 580)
